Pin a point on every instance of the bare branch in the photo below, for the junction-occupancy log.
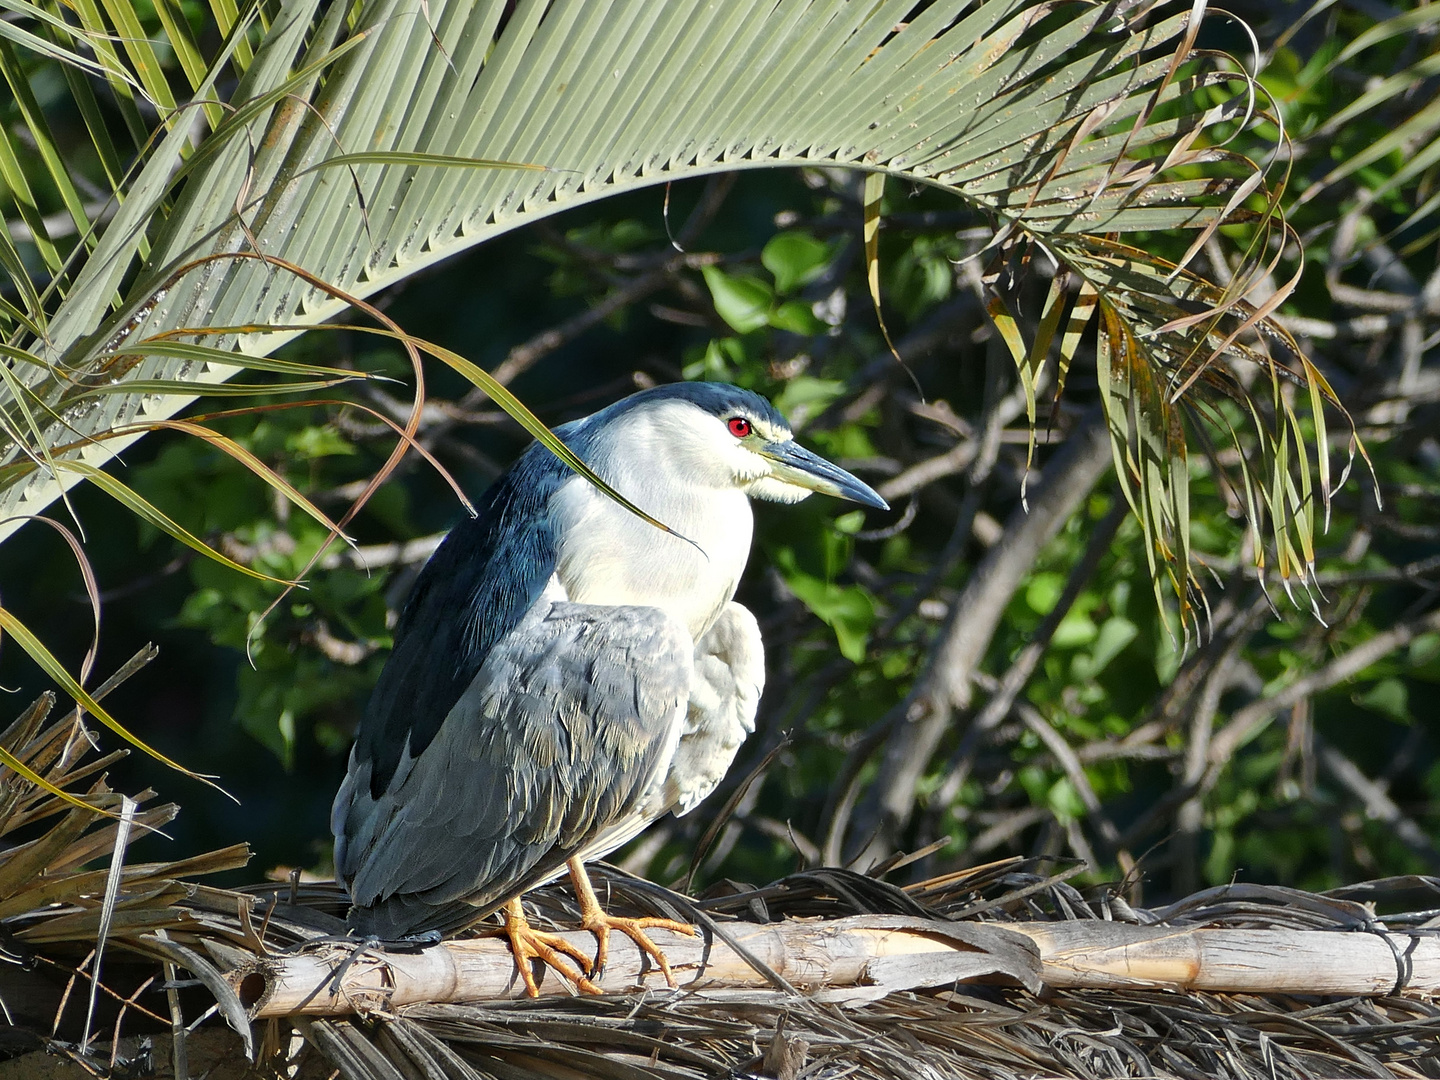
(1378, 804)
(974, 617)
(1023, 666)
(1247, 722)
(1190, 818)
(1075, 772)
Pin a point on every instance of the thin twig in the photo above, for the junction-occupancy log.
(1190, 816)
(1247, 722)
(1075, 771)
(1023, 666)
(1378, 804)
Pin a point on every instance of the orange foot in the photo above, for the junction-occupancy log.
(528, 944)
(595, 919)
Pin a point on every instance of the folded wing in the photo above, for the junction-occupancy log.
(572, 719)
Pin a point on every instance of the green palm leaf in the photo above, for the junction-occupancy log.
(339, 151)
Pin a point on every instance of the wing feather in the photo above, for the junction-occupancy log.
(480, 583)
(573, 717)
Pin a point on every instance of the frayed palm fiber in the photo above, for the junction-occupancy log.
(51, 920)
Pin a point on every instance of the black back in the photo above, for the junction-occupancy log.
(479, 583)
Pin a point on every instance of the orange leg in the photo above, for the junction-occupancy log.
(527, 944)
(595, 919)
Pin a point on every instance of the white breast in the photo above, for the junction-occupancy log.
(724, 697)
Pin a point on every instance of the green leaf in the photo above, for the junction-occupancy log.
(1116, 632)
(1043, 592)
(807, 393)
(850, 612)
(743, 302)
(797, 317)
(1424, 649)
(1389, 697)
(317, 441)
(795, 258)
(1076, 629)
(1064, 801)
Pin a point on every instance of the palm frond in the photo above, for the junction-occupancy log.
(338, 153)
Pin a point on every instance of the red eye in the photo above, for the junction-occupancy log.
(739, 426)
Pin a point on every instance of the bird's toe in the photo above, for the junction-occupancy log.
(601, 923)
(553, 950)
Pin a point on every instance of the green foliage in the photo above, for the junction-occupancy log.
(795, 258)
(286, 687)
(747, 302)
(743, 302)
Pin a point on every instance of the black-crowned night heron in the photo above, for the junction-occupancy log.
(564, 672)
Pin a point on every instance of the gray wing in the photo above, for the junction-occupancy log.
(568, 723)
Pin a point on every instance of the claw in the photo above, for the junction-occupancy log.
(595, 919)
(528, 944)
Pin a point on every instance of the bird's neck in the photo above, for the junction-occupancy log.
(607, 555)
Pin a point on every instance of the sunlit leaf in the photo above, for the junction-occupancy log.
(743, 302)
